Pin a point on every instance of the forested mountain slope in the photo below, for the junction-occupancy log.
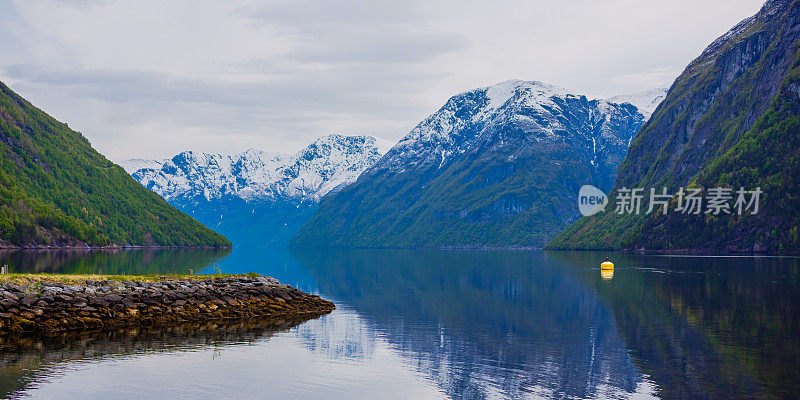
(56, 190)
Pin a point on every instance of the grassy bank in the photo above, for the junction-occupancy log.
(71, 279)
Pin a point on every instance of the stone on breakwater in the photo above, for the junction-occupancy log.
(50, 307)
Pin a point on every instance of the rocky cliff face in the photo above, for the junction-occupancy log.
(716, 99)
(259, 198)
(734, 102)
(496, 166)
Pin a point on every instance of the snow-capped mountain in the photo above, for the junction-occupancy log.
(518, 149)
(257, 198)
(495, 116)
(254, 175)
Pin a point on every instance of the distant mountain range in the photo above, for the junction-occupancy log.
(56, 190)
(730, 120)
(499, 166)
(258, 198)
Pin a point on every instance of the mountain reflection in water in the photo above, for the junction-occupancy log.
(552, 324)
(483, 323)
(462, 325)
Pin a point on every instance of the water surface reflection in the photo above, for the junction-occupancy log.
(462, 325)
(707, 327)
(28, 361)
(485, 323)
(111, 261)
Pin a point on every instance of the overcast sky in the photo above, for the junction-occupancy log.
(151, 78)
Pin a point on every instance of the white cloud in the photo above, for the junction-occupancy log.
(152, 78)
(652, 78)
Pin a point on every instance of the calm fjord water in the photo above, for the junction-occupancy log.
(443, 324)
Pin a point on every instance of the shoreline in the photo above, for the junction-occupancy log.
(701, 252)
(112, 247)
(40, 304)
(704, 252)
(694, 252)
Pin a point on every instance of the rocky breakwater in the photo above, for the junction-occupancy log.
(50, 307)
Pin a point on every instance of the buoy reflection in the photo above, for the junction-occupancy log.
(607, 274)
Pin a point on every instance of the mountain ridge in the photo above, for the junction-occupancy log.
(260, 198)
(322, 166)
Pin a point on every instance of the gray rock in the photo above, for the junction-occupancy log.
(113, 298)
(29, 300)
(99, 302)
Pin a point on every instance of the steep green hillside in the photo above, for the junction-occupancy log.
(481, 200)
(767, 156)
(55, 189)
(730, 120)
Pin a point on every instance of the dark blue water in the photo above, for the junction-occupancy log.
(443, 324)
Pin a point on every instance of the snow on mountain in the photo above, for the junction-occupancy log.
(439, 125)
(135, 164)
(546, 110)
(645, 101)
(323, 166)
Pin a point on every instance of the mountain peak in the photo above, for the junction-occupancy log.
(724, 123)
(548, 110)
(499, 94)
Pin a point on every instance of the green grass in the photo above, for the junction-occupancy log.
(72, 279)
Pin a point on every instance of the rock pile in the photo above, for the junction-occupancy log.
(50, 307)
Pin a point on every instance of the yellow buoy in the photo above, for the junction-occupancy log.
(607, 265)
(607, 274)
